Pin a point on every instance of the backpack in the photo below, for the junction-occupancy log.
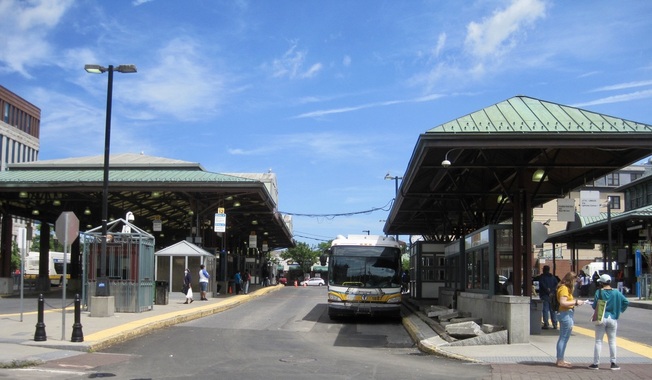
(554, 303)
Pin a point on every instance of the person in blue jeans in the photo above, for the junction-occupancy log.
(616, 304)
(565, 318)
(547, 289)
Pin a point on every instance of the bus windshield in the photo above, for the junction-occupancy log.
(365, 266)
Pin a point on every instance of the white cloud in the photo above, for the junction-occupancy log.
(498, 34)
(179, 82)
(28, 23)
(441, 42)
(320, 113)
(617, 98)
(485, 44)
(291, 65)
(622, 86)
(346, 61)
(321, 146)
(73, 127)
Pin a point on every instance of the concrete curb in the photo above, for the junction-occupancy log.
(430, 345)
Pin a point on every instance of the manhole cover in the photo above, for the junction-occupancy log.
(294, 360)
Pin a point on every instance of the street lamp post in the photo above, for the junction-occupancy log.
(607, 262)
(102, 283)
(395, 178)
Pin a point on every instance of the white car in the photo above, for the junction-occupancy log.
(317, 281)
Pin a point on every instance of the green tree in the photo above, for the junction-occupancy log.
(405, 262)
(54, 243)
(324, 245)
(15, 256)
(303, 255)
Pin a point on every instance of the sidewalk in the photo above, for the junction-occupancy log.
(17, 345)
(537, 358)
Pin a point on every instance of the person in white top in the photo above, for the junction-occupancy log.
(203, 282)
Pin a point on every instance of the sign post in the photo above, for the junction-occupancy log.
(67, 230)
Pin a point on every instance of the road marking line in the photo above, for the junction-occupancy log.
(635, 347)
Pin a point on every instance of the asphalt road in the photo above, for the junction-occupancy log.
(285, 335)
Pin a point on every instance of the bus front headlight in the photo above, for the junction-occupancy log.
(334, 298)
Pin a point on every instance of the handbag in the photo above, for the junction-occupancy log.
(184, 290)
(598, 312)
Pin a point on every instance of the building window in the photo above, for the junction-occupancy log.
(613, 179)
(615, 202)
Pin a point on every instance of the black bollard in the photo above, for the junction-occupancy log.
(39, 335)
(77, 334)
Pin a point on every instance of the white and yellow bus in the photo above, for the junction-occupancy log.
(364, 276)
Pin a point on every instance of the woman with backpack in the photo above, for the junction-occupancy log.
(616, 304)
(565, 318)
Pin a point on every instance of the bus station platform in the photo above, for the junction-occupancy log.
(532, 360)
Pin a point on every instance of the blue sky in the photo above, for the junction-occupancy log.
(329, 95)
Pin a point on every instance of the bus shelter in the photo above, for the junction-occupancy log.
(172, 261)
(128, 265)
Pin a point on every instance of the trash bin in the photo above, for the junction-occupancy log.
(536, 309)
(162, 293)
(102, 287)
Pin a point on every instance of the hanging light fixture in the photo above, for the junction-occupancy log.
(87, 211)
(56, 202)
(539, 176)
(23, 194)
(35, 212)
(236, 204)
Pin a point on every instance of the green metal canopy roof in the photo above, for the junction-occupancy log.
(522, 114)
(493, 154)
(594, 229)
(49, 177)
(181, 194)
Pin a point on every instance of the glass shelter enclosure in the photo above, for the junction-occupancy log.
(129, 265)
(481, 260)
(427, 269)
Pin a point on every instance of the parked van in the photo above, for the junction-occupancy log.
(596, 266)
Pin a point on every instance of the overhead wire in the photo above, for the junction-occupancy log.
(387, 207)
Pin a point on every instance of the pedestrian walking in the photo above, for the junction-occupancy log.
(547, 289)
(246, 281)
(565, 317)
(237, 279)
(187, 286)
(585, 283)
(509, 285)
(616, 304)
(203, 282)
(620, 282)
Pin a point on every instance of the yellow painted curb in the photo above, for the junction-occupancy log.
(635, 347)
(106, 338)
